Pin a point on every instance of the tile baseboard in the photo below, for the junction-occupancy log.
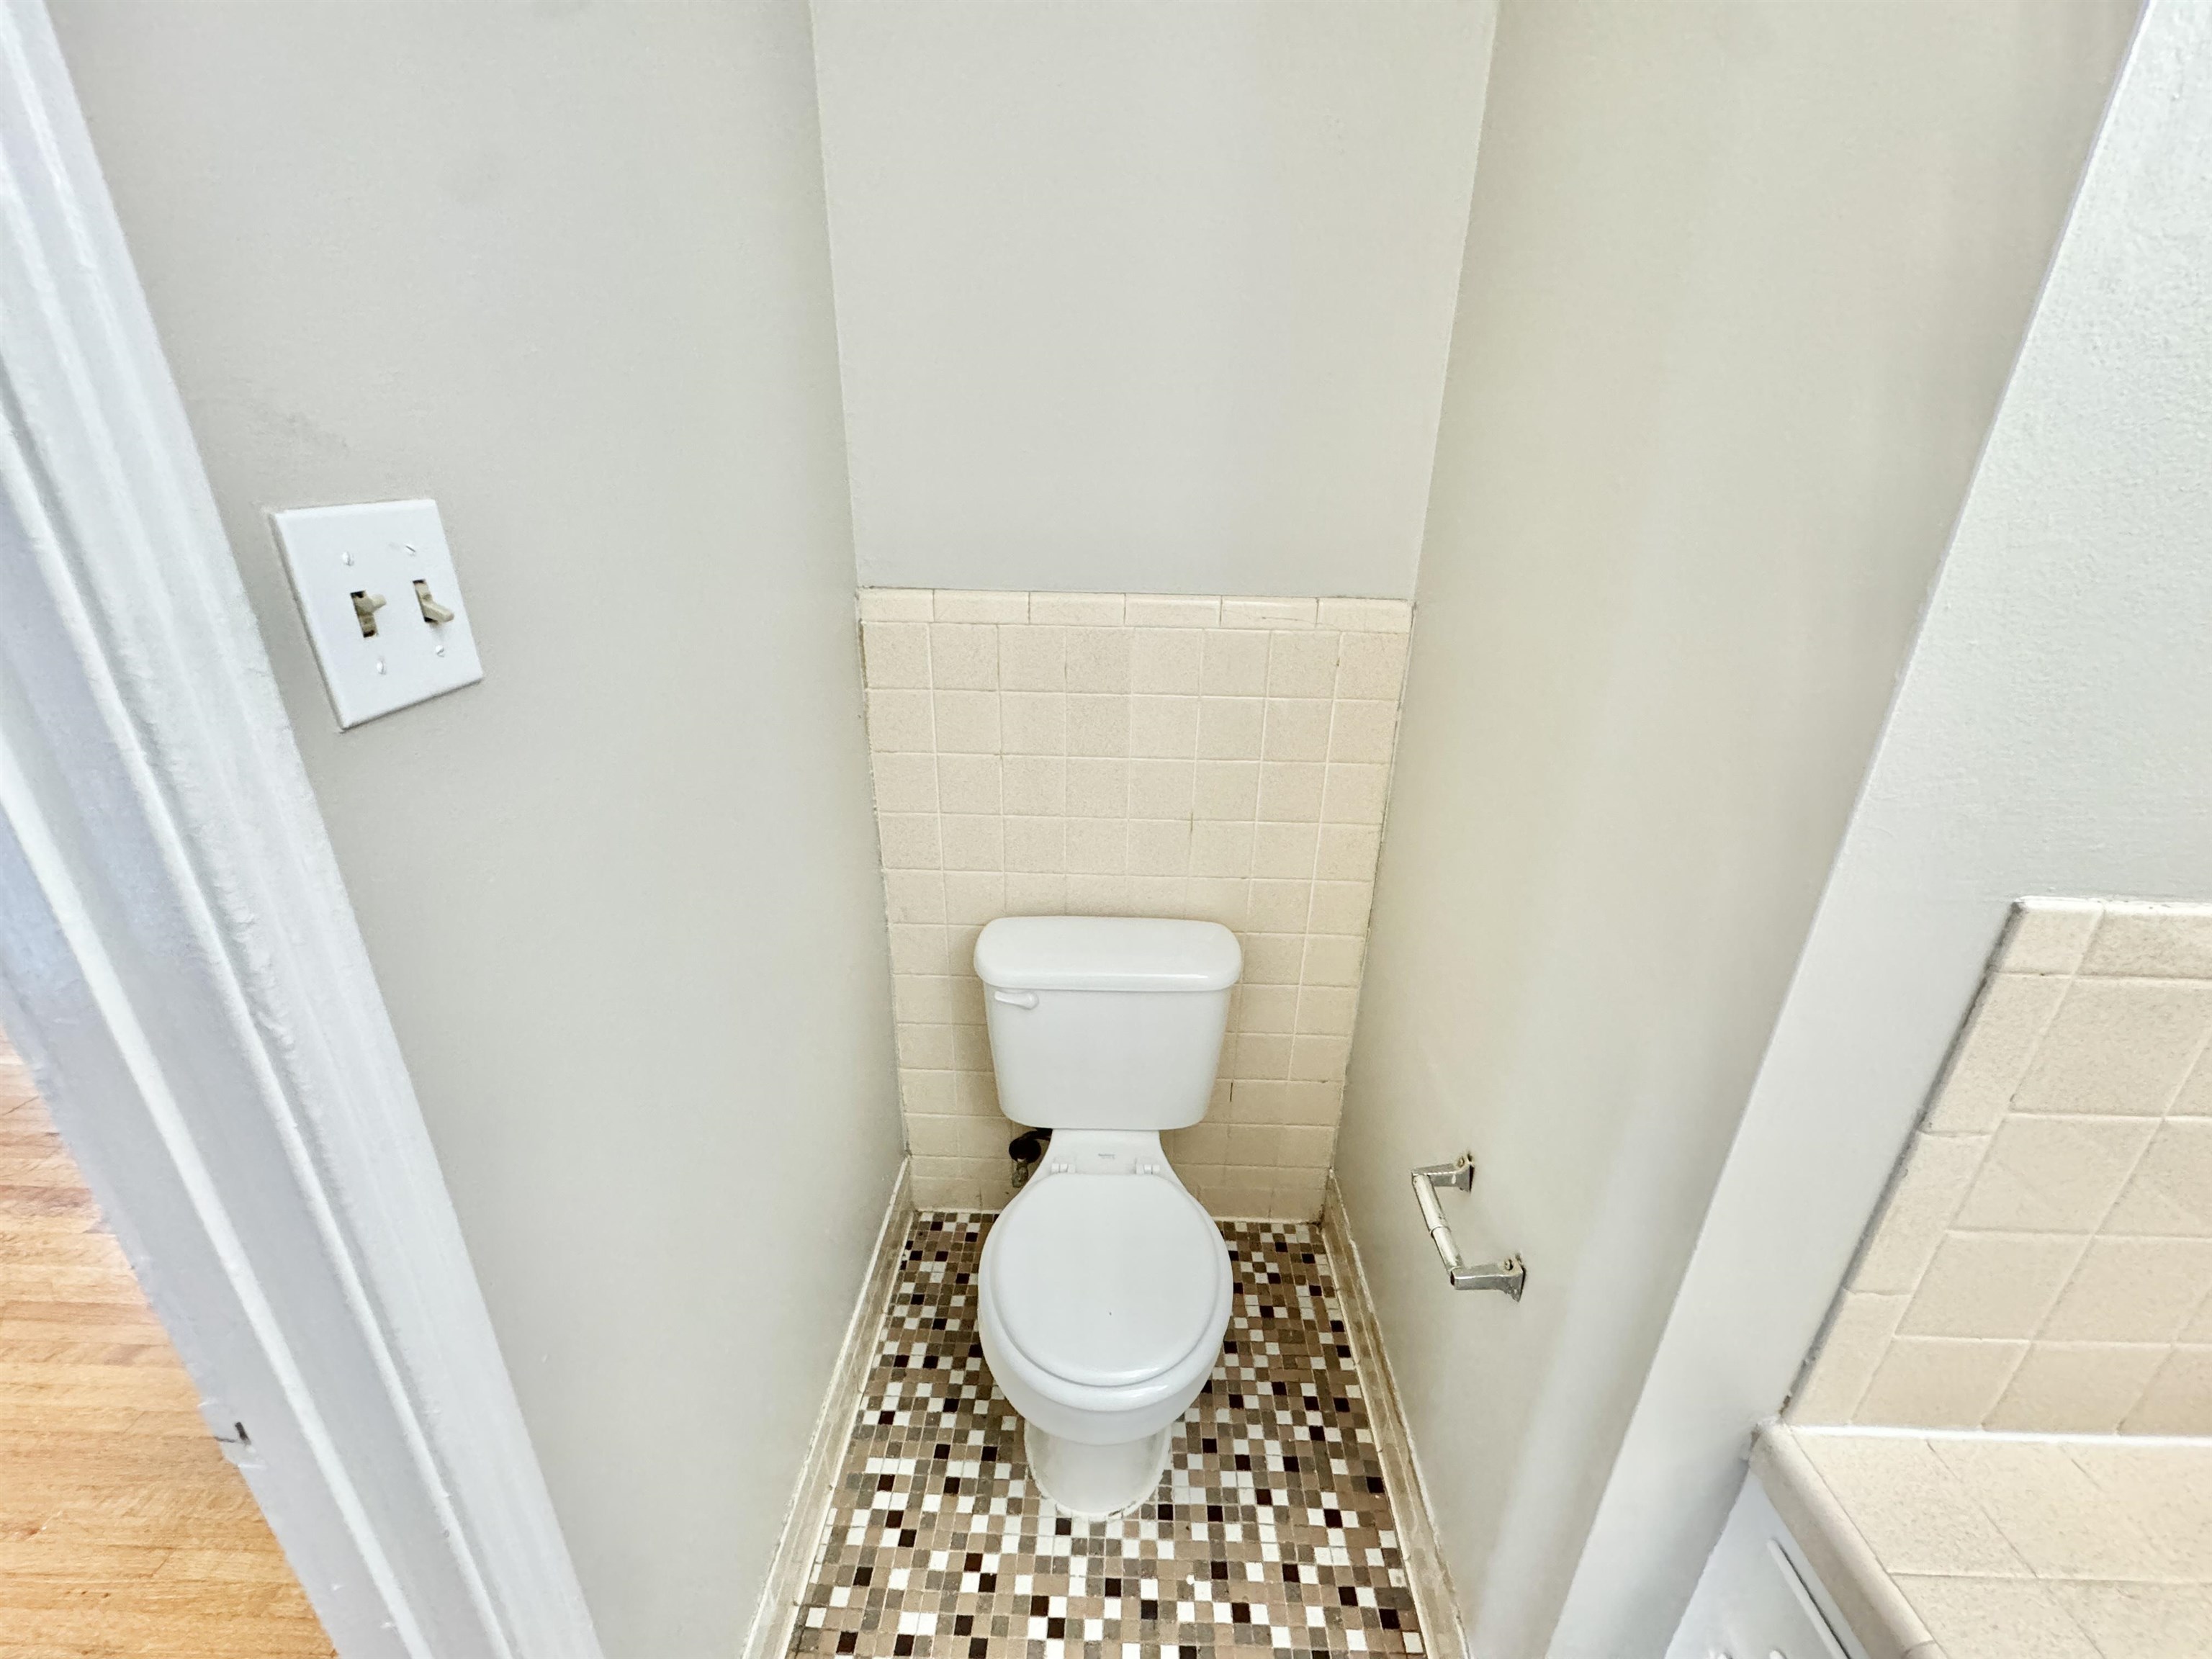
(1425, 1572)
(815, 1488)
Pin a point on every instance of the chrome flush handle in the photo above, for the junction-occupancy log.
(1508, 1275)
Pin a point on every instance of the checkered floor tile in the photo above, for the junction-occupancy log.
(1271, 1532)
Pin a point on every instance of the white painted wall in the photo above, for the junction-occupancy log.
(1147, 298)
(2052, 735)
(566, 270)
(1742, 286)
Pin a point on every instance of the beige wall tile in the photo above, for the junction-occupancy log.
(1290, 791)
(967, 783)
(1035, 785)
(2195, 1099)
(974, 841)
(951, 605)
(925, 1047)
(1912, 1511)
(1342, 906)
(1222, 850)
(894, 655)
(1327, 1010)
(1167, 660)
(1367, 615)
(1996, 1618)
(1035, 894)
(2057, 1519)
(2170, 1190)
(905, 783)
(2119, 1046)
(1097, 847)
(911, 841)
(1097, 788)
(1033, 722)
(1274, 959)
(2048, 936)
(2075, 1387)
(1302, 666)
(1097, 724)
(1226, 790)
(914, 894)
(1098, 659)
(1295, 729)
(2008, 1019)
(1163, 728)
(1348, 852)
(1135, 754)
(2054, 1173)
(1372, 666)
(1319, 1058)
(1279, 906)
(973, 896)
(1354, 793)
(2126, 1193)
(1230, 728)
(1269, 1008)
(1161, 788)
(2141, 1622)
(2178, 1400)
(1857, 1337)
(1285, 852)
(1332, 959)
(1298, 1193)
(1268, 613)
(964, 656)
(1077, 610)
(918, 948)
(1037, 846)
(1171, 610)
(967, 723)
(2158, 941)
(1938, 1172)
(899, 722)
(1236, 663)
(1032, 659)
(2133, 1289)
(1363, 731)
(895, 605)
(2166, 1487)
(1938, 1382)
(1990, 1285)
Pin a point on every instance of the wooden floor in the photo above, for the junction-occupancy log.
(123, 1528)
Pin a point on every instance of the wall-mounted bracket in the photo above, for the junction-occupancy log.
(1510, 1275)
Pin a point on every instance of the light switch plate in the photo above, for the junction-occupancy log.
(380, 548)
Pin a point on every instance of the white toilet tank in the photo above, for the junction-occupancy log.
(1106, 1021)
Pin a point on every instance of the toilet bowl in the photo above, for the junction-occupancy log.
(1104, 1287)
(1103, 1300)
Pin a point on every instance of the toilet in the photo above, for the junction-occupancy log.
(1105, 1286)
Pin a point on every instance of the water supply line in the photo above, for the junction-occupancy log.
(1508, 1275)
(1027, 1150)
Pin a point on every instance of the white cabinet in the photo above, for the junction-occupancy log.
(1758, 1598)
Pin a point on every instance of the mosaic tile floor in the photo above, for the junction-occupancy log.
(1271, 1533)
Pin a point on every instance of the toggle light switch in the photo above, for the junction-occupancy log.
(376, 656)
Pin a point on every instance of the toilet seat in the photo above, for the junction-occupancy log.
(1107, 1282)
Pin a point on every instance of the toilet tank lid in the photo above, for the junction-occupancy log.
(1107, 953)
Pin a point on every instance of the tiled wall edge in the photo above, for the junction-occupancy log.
(1865, 1369)
(1352, 616)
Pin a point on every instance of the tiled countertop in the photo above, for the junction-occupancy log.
(1971, 1545)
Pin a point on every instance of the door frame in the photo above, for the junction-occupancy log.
(181, 967)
